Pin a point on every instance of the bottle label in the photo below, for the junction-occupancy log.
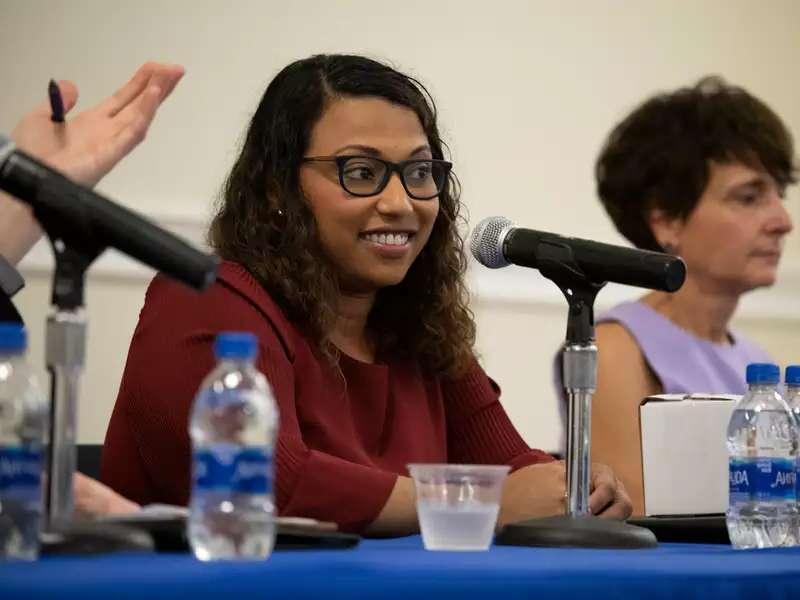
(797, 478)
(20, 473)
(776, 479)
(761, 479)
(741, 479)
(229, 468)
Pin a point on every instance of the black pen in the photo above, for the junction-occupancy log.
(56, 102)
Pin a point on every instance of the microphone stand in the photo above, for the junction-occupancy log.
(65, 353)
(578, 528)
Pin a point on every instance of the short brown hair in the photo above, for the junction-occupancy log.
(659, 155)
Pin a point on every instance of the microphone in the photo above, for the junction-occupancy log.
(496, 243)
(90, 218)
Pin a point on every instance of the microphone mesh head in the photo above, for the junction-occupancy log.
(486, 241)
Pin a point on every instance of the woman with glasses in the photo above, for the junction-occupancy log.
(338, 231)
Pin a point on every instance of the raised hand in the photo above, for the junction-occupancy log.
(85, 147)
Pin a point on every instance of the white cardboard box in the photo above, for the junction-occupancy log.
(684, 457)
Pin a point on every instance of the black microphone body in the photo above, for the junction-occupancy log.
(80, 214)
(496, 243)
(599, 262)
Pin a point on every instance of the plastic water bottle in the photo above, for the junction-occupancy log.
(23, 431)
(792, 382)
(762, 450)
(233, 429)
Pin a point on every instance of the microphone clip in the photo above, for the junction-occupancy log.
(557, 263)
(74, 246)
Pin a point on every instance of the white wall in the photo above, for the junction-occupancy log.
(526, 90)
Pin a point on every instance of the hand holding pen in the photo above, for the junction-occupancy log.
(84, 147)
(87, 146)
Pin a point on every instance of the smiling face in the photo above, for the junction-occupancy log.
(733, 238)
(371, 241)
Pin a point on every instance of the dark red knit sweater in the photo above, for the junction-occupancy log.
(340, 447)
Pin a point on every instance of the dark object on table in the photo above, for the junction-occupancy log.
(295, 538)
(169, 532)
(575, 532)
(88, 537)
(693, 529)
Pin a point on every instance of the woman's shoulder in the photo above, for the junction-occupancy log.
(622, 326)
(632, 314)
(635, 322)
(235, 301)
(616, 335)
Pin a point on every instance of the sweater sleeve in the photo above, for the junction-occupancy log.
(146, 454)
(478, 428)
(147, 451)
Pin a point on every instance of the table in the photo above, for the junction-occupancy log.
(400, 568)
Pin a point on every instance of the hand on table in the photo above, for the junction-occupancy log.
(92, 498)
(540, 491)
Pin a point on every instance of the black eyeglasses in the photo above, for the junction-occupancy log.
(422, 179)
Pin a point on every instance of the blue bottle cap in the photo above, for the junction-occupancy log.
(236, 345)
(763, 373)
(13, 338)
(793, 375)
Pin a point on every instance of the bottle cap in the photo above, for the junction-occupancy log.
(763, 373)
(793, 375)
(13, 338)
(236, 345)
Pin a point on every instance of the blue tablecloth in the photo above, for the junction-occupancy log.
(400, 568)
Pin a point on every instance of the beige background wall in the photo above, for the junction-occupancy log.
(526, 92)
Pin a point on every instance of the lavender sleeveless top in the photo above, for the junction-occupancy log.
(681, 361)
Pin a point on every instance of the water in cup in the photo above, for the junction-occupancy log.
(461, 527)
(458, 505)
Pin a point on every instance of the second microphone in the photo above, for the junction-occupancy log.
(496, 243)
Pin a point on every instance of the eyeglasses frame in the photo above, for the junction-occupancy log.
(391, 167)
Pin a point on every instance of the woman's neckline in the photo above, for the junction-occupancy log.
(732, 344)
(376, 363)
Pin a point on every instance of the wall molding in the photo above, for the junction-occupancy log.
(520, 287)
(512, 286)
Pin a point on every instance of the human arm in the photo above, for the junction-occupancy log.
(623, 380)
(479, 430)
(540, 491)
(92, 498)
(399, 515)
(147, 454)
(86, 147)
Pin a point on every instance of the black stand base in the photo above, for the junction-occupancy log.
(94, 538)
(576, 532)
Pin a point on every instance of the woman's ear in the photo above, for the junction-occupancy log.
(666, 229)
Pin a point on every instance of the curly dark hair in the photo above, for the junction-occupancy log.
(264, 223)
(659, 156)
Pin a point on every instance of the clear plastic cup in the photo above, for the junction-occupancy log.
(457, 505)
